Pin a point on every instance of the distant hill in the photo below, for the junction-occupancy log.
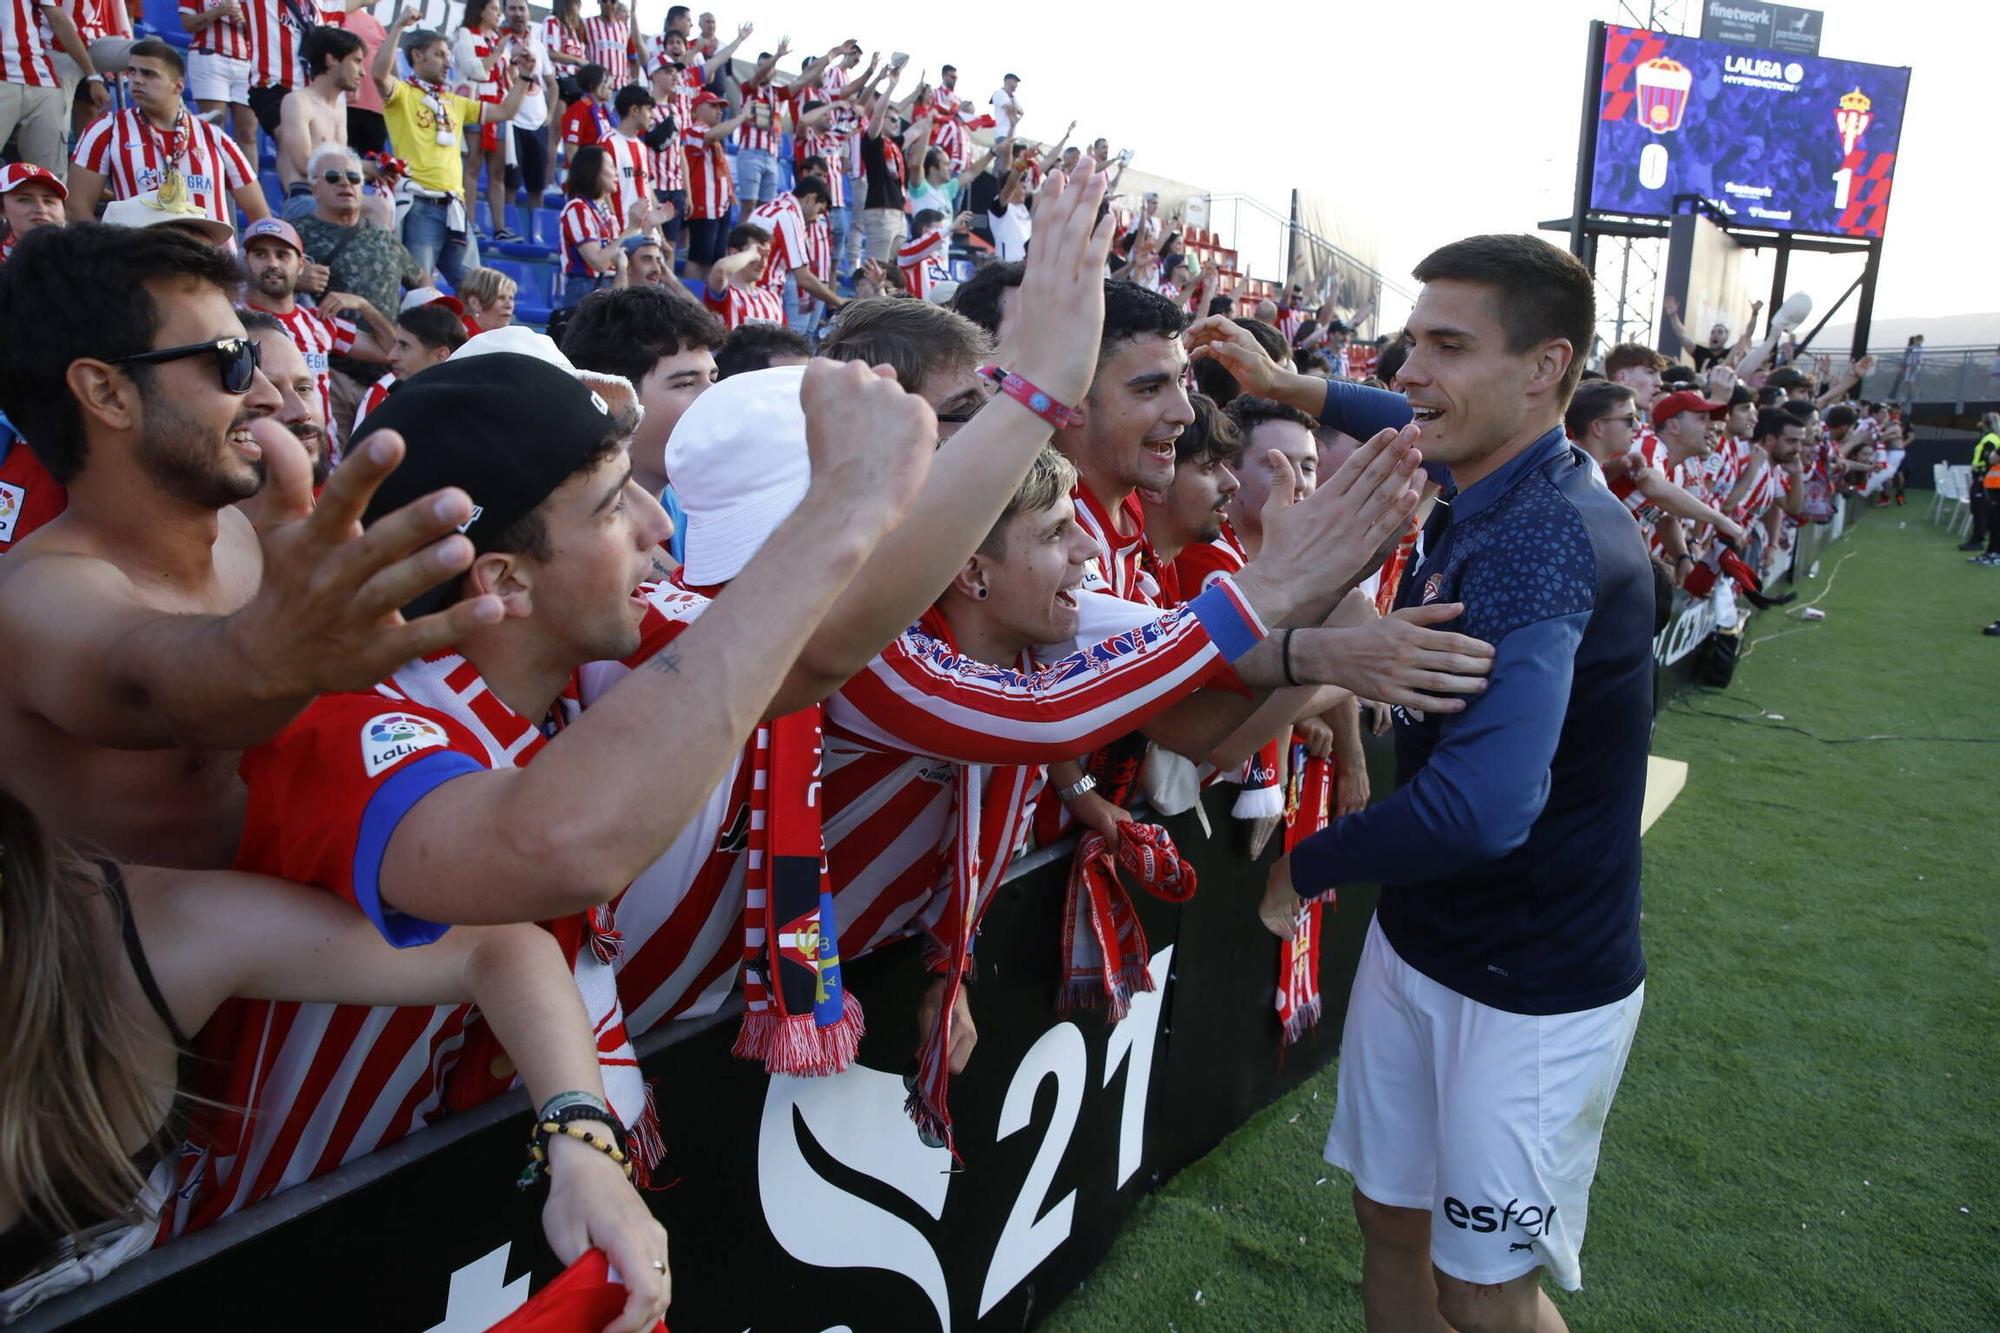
(1981, 330)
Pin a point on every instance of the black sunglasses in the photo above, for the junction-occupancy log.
(236, 360)
(1631, 420)
(336, 177)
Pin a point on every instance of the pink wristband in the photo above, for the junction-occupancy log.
(1035, 400)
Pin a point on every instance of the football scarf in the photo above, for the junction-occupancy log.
(993, 809)
(1104, 946)
(1311, 794)
(587, 1294)
(798, 1019)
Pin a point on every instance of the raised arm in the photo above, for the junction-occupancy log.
(1676, 501)
(383, 67)
(573, 829)
(725, 54)
(88, 654)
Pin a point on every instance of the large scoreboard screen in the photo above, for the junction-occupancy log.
(1782, 141)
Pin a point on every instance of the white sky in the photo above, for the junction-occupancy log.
(1443, 118)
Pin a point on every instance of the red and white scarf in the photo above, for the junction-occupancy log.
(1299, 1003)
(993, 808)
(1104, 946)
(798, 1018)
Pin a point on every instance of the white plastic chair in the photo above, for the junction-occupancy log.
(1961, 494)
(1940, 481)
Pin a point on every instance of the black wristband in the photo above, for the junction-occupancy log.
(1285, 653)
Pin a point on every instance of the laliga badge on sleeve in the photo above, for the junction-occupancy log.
(387, 739)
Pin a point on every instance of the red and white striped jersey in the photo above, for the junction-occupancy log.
(275, 34)
(632, 162)
(889, 799)
(470, 50)
(819, 253)
(669, 165)
(224, 37)
(1290, 321)
(92, 19)
(133, 154)
(948, 127)
(785, 221)
(832, 146)
(736, 306)
(24, 48)
(584, 220)
(765, 105)
(1771, 487)
(317, 338)
(559, 40)
(378, 394)
(926, 262)
(1724, 467)
(681, 919)
(608, 42)
(1123, 563)
(711, 189)
(1197, 568)
(324, 1084)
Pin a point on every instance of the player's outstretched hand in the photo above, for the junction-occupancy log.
(1219, 338)
(592, 1206)
(1317, 548)
(1279, 910)
(1399, 659)
(326, 615)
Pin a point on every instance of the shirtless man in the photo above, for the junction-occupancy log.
(317, 113)
(151, 632)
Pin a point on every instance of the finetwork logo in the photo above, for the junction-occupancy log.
(389, 738)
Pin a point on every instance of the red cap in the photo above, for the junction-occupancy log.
(276, 229)
(707, 98)
(1684, 400)
(16, 174)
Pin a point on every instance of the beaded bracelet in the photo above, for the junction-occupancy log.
(563, 1123)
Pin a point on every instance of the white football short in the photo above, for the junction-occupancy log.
(214, 78)
(1488, 1119)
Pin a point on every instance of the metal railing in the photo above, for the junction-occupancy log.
(1957, 375)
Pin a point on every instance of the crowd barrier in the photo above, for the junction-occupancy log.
(811, 1204)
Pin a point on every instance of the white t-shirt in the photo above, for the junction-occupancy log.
(534, 112)
(1003, 113)
(1012, 230)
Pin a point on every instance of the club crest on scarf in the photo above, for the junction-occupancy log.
(798, 1018)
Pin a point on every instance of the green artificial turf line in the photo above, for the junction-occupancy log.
(1806, 1134)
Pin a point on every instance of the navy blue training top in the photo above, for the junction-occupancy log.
(1509, 852)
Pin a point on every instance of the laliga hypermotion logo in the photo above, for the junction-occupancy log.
(1663, 94)
(1853, 117)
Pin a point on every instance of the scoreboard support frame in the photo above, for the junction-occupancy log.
(1584, 225)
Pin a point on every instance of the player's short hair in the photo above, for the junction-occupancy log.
(1213, 378)
(915, 338)
(1632, 356)
(1593, 400)
(1248, 412)
(1130, 311)
(1803, 409)
(588, 77)
(1772, 421)
(631, 97)
(421, 39)
(323, 47)
(1211, 435)
(924, 220)
(433, 325)
(978, 297)
(813, 187)
(629, 330)
(152, 48)
(1841, 415)
(1541, 292)
(257, 321)
(81, 291)
(1049, 479)
(757, 346)
(746, 234)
